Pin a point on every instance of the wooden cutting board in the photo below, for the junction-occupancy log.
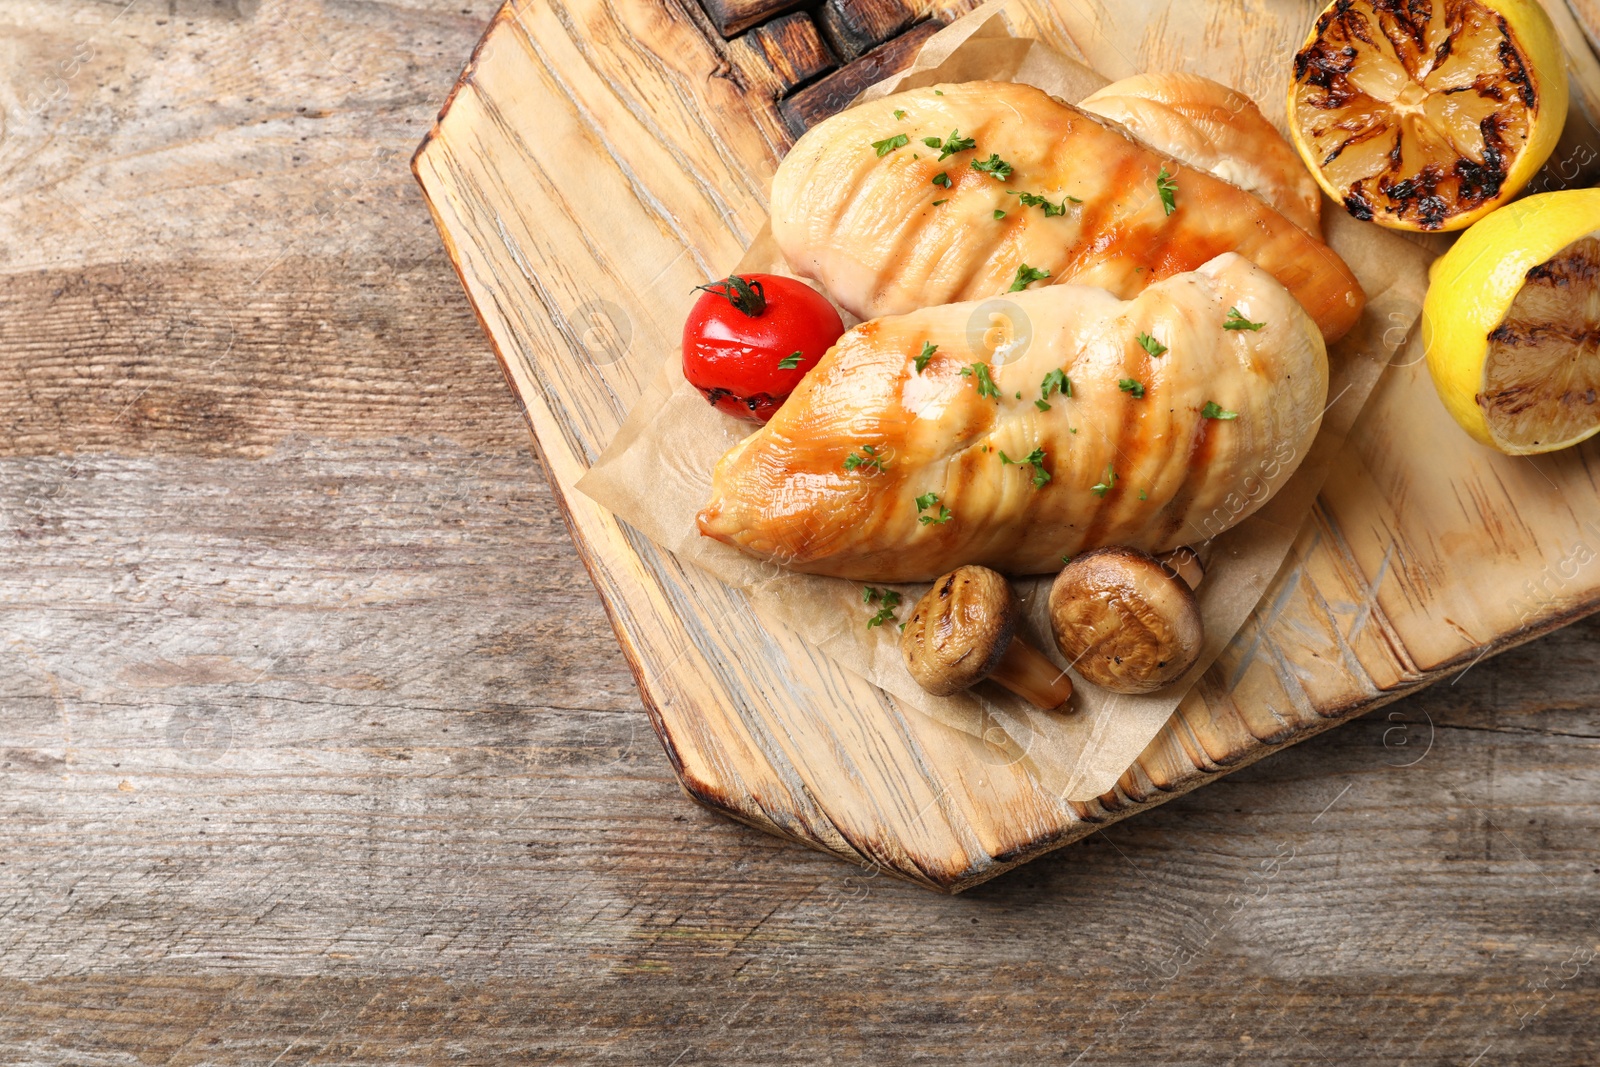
(599, 159)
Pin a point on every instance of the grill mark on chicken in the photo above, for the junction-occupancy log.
(981, 263)
(907, 240)
(1127, 447)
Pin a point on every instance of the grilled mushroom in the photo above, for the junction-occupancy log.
(1124, 620)
(964, 630)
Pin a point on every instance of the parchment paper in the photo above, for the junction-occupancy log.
(656, 475)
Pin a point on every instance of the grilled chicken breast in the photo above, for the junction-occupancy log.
(866, 206)
(1041, 424)
(1215, 129)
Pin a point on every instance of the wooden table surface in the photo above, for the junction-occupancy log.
(317, 746)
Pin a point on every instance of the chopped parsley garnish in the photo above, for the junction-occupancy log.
(1025, 276)
(789, 362)
(994, 166)
(889, 144)
(1129, 385)
(1237, 321)
(1151, 345)
(1143, 495)
(1167, 186)
(998, 214)
(938, 92)
(927, 501)
(1107, 480)
(980, 371)
(867, 457)
(942, 179)
(1066, 559)
(1050, 210)
(950, 145)
(899, 114)
(1054, 382)
(887, 598)
(1214, 410)
(1034, 459)
(946, 200)
(922, 358)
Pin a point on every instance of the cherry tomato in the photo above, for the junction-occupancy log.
(751, 338)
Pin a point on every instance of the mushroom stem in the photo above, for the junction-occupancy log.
(1185, 563)
(1028, 673)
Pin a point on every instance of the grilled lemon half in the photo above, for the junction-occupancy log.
(1427, 114)
(1511, 324)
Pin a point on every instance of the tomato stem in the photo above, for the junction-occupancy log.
(745, 295)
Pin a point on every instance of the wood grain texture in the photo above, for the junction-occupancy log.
(1380, 595)
(319, 749)
(781, 55)
(833, 94)
(855, 28)
(1587, 13)
(732, 16)
(193, 358)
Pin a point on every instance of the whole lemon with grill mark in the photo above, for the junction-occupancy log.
(1427, 114)
(1511, 324)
